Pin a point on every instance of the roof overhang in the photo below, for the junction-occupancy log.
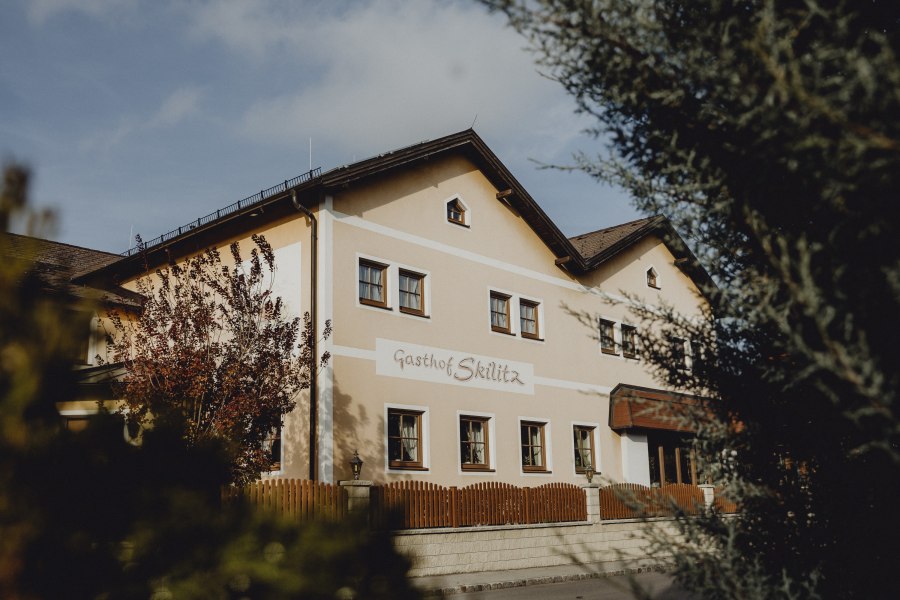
(632, 407)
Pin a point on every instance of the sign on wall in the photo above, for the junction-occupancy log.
(453, 367)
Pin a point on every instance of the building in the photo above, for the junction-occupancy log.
(457, 353)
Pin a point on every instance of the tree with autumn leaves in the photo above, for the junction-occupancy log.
(213, 353)
(88, 515)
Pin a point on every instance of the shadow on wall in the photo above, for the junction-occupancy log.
(351, 420)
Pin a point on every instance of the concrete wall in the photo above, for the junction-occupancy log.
(468, 550)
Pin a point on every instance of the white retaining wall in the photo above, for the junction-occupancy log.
(468, 549)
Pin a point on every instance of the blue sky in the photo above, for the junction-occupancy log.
(137, 117)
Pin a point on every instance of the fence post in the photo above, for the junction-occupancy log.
(358, 496)
(709, 493)
(592, 498)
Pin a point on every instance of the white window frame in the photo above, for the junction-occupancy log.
(658, 285)
(467, 215)
(386, 285)
(548, 446)
(616, 334)
(687, 365)
(491, 445)
(424, 434)
(392, 287)
(637, 346)
(280, 471)
(595, 438)
(515, 299)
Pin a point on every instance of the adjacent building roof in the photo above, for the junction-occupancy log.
(591, 244)
(56, 265)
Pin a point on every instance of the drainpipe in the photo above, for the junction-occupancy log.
(313, 305)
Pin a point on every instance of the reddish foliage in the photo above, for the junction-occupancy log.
(213, 352)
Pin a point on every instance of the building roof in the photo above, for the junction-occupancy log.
(56, 265)
(576, 255)
(593, 243)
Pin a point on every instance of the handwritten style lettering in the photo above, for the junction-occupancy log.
(466, 369)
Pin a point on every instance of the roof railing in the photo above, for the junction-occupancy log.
(230, 209)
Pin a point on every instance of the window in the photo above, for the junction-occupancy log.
(607, 337)
(679, 357)
(272, 447)
(473, 443)
(500, 312)
(528, 319)
(696, 355)
(652, 278)
(412, 286)
(456, 212)
(671, 459)
(629, 341)
(371, 283)
(534, 456)
(76, 424)
(404, 439)
(584, 448)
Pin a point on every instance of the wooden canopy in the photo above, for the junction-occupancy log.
(633, 407)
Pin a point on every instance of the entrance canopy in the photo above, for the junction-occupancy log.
(633, 407)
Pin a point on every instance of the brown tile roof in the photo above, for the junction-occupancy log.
(64, 257)
(56, 264)
(591, 244)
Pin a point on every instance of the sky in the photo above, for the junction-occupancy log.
(136, 117)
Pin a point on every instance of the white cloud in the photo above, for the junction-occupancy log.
(370, 73)
(176, 108)
(181, 104)
(40, 10)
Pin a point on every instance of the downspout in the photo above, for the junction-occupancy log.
(313, 368)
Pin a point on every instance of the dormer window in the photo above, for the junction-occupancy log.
(456, 212)
(652, 278)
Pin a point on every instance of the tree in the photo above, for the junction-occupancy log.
(88, 515)
(767, 132)
(213, 352)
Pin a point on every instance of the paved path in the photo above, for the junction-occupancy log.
(488, 581)
(658, 586)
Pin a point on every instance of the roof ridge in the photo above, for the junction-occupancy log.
(396, 150)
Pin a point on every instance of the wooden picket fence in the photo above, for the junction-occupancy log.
(298, 499)
(722, 504)
(418, 504)
(632, 500)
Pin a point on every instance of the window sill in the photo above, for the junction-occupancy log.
(608, 351)
(374, 305)
(452, 222)
(503, 331)
(414, 313)
(466, 469)
(406, 468)
(627, 355)
(536, 471)
(533, 338)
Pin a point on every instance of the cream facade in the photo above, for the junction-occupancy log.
(457, 355)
